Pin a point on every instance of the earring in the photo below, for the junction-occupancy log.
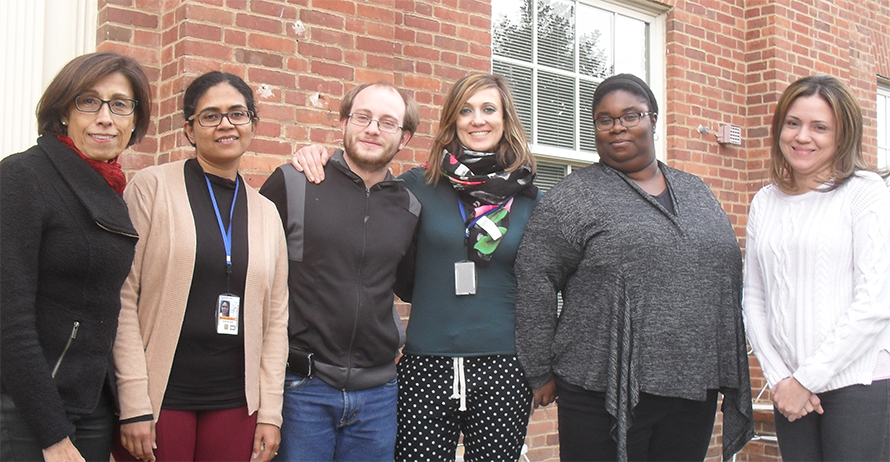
(64, 124)
(655, 136)
(132, 130)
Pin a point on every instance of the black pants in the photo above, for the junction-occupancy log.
(855, 426)
(667, 429)
(92, 437)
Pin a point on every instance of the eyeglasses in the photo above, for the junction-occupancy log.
(629, 120)
(117, 106)
(385, 126)
(214, 118)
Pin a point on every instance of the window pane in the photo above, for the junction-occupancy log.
(512, 29)
(556, 53)
(588, 138)
(630, 47)
(556, 34)
(594, 41)
(556, 110)
(549, 174)
(521, 86)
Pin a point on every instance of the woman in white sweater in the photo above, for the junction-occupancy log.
(817, 288)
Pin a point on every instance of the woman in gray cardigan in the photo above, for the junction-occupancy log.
(651, 275)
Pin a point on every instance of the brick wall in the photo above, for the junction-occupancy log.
(726, 63)
(300, 56)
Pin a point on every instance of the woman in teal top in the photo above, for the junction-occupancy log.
(459, 373)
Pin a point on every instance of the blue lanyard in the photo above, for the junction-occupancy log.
(226, 235)
(463, 214)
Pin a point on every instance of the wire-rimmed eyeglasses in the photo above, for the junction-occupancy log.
(214, 118)
(117, 106)
(629, 120)
(385, 126)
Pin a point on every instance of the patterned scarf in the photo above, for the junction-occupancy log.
(110, 170)
(486, 193)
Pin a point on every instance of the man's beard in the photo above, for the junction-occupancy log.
(363, 162)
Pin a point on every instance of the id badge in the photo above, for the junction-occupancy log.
(464, 278)
(227, 312)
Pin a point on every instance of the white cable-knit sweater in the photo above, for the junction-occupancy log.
(817, 282)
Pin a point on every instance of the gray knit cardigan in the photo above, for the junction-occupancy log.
(652, 300)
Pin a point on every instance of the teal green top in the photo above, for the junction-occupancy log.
(445, 324)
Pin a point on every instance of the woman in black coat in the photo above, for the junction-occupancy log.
(67, 245)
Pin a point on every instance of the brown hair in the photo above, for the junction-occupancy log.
(848, 157)
(512, 151)
(412, 113)
(80, 75)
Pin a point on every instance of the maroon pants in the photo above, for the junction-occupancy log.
(224, 435)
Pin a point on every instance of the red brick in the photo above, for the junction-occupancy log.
(115, 33)
(257, 58)
(129, 17)
(259, 23)
(275, 44)
(423, 23)
(333, 37)
(320, 51)
(340, 6)
(275, 78)
(332, 70)
(319, 18)
(197, 12)
(273, 9)
(376, 46)
(375, 12)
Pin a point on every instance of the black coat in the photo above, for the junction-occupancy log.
(67, 245)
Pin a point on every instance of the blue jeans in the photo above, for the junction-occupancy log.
(322, 423)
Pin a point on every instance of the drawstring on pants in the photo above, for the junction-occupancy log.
(459, 389)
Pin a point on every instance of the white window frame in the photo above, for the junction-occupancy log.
(883, 121)
(649, 12)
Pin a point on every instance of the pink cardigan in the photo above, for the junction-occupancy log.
(155, 294)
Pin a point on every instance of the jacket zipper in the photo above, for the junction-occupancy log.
(358, 289)
(67, 346)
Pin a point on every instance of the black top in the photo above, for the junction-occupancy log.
(208, 368)
(346, 246)
(664, 198)
(67, 246)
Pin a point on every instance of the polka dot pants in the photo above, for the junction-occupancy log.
(498, 403)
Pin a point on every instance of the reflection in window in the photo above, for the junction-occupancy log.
(594, 41)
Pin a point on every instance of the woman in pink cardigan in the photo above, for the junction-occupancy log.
(196, 381)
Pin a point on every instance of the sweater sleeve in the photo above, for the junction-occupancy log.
(275, 341)
(857, 331)
(545, 259)
(27, 378)
(131, 370)
(754, 304)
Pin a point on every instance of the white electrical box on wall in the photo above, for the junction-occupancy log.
(729, 134)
